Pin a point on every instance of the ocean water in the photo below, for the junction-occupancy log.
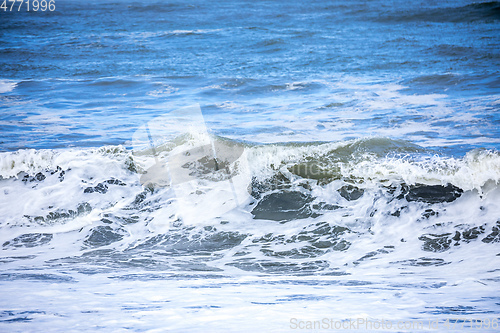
(245, 166)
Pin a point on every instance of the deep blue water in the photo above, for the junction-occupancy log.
(90, 73)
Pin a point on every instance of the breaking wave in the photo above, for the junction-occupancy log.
(300, 208)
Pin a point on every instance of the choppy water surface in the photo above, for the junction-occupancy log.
(347, 165)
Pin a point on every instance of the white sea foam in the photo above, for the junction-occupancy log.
(350, 258)
(7, 86)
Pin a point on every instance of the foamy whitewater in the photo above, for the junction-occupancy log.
(331, 230)
(250, 167)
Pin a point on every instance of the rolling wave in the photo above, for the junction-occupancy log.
(305, 205)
